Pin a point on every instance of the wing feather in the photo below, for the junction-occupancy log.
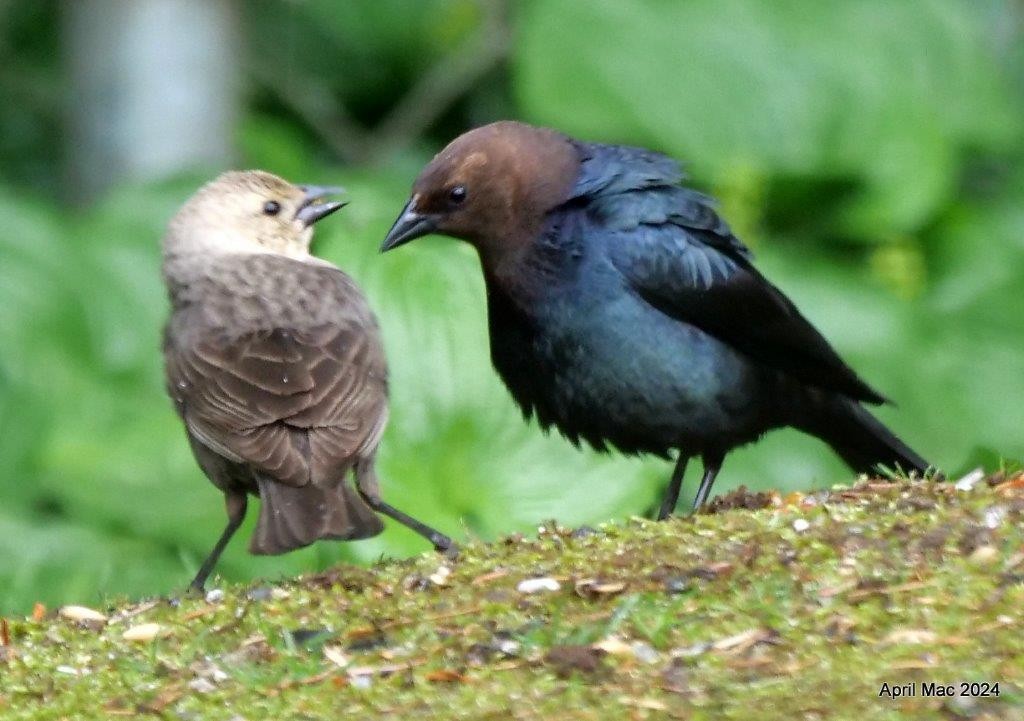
(298, 406)
(677, 253)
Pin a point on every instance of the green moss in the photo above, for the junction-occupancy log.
(799, 610)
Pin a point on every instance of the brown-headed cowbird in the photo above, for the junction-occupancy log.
(624, 312)
(275, 364)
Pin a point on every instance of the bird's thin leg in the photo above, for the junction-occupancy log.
(441, 542)
(712, 464)
(236, 504)
(668, 505)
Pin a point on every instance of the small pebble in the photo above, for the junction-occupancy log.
(362, 681)
(911, 635)
(81, 613)
(337, 656)
(614, 646)
(969, 481)
(260, 593)
(536, 585)
(209, 672)
(508, 647)
(801, 524)
(214, 595)
(201, 685)
(677, 585)
(143, 632)
(985, 555)
(440, 576)
(690, 651)
(644, 652)
(72, 671)
(592, 587)
(994, 516)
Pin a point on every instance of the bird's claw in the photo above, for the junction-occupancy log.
(445, 546)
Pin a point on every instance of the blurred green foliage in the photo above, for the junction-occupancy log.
(869, 151)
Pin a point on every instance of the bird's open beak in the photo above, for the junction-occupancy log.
(409, 226)
(311, 210)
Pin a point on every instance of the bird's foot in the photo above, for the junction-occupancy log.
(445, 546)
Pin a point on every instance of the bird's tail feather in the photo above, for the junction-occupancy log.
(295, 516)
(860, 439)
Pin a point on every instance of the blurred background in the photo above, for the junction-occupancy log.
(868, 151)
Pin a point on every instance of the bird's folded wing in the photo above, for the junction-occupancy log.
(609, 169)
(684, 261)
(297, 405)
(624, 187)
(681, 257)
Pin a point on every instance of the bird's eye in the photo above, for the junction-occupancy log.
(457, 195)
(271, 207)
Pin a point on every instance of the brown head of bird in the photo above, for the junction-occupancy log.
(491, 187)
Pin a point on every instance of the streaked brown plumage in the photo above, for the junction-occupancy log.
(275, 364)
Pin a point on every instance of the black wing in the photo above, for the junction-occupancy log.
(680, 256)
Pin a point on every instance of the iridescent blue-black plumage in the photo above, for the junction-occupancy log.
(682, 258)
(623, 310)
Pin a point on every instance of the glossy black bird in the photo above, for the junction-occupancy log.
(275, 364)
(624, 312)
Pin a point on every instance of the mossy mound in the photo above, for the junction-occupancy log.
(765, 607)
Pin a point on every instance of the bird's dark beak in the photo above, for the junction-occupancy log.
(311, 210)
(409, 226)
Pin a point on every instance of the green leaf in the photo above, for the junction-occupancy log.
(884, 93)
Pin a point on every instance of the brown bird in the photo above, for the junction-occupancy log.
(274, 362)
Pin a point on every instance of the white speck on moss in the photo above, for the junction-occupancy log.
(644, 652)
(969, 481)
(440, 576)
(72, 671)
(201, 685)
(82, 614)
(538, 585)
(994, 516)
(144, 632)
